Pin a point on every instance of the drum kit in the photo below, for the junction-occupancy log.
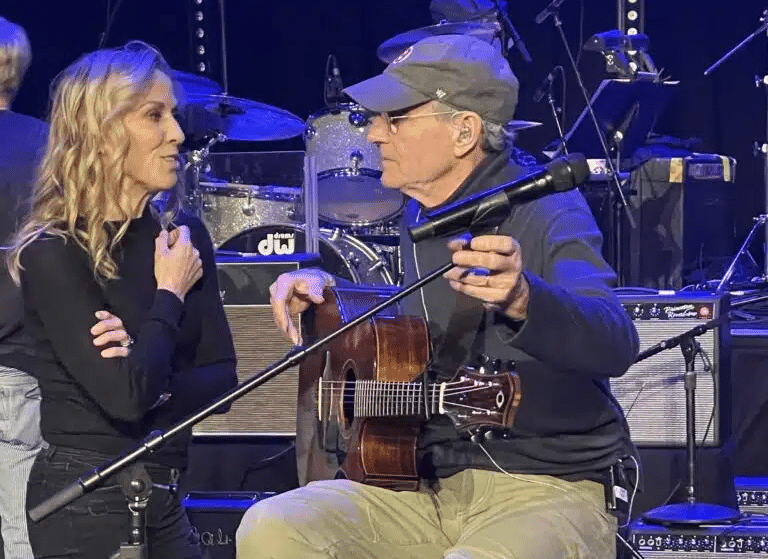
(357, 216)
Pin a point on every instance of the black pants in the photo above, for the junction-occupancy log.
(94, 525)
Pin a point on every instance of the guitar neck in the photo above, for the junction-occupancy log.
(372, 398)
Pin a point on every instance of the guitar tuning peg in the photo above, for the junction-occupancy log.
(482, 363)
(488, 435)
(496, 365)
(510, 365)
(476, 437)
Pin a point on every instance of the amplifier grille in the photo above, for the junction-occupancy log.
(269, 409)
(652, 392)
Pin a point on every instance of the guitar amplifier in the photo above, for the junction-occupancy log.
(215, 517)
(652, 391)
(748, 539)
(269, 409)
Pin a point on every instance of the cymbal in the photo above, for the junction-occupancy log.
(242, 119)
(193, 84)
(392, 48)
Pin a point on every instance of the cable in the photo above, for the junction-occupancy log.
(265, 462)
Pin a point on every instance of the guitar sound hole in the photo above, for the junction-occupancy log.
(348, 397)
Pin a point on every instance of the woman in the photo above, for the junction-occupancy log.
(127, 330)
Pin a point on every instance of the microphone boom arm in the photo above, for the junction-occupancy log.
(156, 439)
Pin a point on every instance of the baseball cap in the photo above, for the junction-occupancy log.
(461, 71)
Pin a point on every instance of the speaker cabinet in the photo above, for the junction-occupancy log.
(652, 392)
(684, 231)
(269, 409)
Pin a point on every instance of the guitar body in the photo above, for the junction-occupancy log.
(331, 440)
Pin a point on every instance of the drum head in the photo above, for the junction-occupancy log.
(348, 169)
(269, 240)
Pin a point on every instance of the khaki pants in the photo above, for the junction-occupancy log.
(474, 514)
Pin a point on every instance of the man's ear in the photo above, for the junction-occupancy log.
(469, 128)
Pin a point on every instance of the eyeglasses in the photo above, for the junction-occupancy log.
(391, 118)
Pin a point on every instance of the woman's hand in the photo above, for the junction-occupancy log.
(109, 329)
(177, 262)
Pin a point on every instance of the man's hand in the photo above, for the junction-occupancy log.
(490, 269)
(292, 293)
(110, 329)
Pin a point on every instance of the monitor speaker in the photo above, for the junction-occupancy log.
(652, 391)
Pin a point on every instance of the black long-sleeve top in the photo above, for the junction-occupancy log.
(106, 404)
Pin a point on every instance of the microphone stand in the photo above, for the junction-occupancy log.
(555, 112)
(692, 511)
(506, 25)
(155, 440)
(553, 9)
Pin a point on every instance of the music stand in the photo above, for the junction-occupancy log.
(626, 111)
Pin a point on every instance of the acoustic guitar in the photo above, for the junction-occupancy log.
(360, 405)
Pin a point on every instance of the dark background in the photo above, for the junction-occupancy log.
(277, 53)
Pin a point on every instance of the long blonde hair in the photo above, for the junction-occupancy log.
(81, 174)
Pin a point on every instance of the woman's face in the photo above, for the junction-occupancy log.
(154, 139)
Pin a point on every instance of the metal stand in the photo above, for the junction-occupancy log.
(760, 220)
(552, 9)
(557, 112)
(692, 511)
(195, 159)
(760, 148)
(137, 487)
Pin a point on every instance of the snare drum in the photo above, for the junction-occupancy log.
(340, 254)
(228, 208)
(348, 169)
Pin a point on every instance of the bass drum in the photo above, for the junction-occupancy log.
(349, 191)
(340, 254)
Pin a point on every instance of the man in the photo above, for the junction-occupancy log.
(535, 291)
(22, 139)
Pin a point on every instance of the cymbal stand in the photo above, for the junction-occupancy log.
(509, 31)
(224, 75)
(760, 148)
(195, 159)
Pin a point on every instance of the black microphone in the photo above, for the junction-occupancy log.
(545, 87)
(548, 11)
(563, 173)
(333, 83)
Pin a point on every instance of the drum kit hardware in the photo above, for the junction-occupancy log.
(358, 217)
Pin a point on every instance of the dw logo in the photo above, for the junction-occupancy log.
(277, 243)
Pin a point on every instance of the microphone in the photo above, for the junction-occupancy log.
(333, 83)
(561, 174)
(548, 11)
(545, 87)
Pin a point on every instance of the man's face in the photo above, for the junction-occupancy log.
(417, 152)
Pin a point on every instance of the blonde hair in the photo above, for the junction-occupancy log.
(81, 174)
(15, 57)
